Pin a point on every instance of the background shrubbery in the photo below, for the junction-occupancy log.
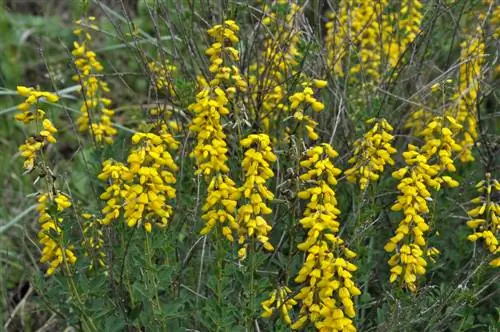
(175, 279)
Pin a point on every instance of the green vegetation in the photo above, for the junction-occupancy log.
(249, 165)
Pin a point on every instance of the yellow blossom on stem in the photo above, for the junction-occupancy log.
(211, 148)
(29, 151)
(279, 300)
(326, 280)
(484, 218)
(50, 236)
(409, 260)
(371, 154)
(257, 166)
(222, 53)
(142, 188)
(96, 116)
(465, 98)
(302, 100)
(222, 193)
(369, 36)
(31, 111)
(30, 107)
(163, 76)
(93, 241)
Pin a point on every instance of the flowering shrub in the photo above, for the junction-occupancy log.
(243, 182)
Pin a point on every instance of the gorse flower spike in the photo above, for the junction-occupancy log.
(409, 261)
(142, 188)
(484, 218)
(96, 115)
(257, 167)
(325, 278)
(211, 149)
(279, 299)
(51, 203)
(32, 112)
(375, 32)
(371, 154)
(51, 234)
(326, 275)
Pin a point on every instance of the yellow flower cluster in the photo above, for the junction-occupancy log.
(221, 206)
(51, 234)
(142, 187)
(257, 165)
(222, 53)
(484, 217)
(276, 63)
(409, 20)
(93, 241)
(376, 37)
(32, 112)
(455, 132)
(439, 141)
(326, 275)
(96, 115)
(409, 259)
(465, 98)
(358, 23)
(211, 149)
(439, 136)
(300, 101)
(371, 154)
(30, 106)
(279, 299)
(162, 75)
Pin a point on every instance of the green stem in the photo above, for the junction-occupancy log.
(251, 292)
(150, 279)
(219, 267)
(88, 323)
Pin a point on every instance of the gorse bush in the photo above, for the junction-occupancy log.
(279, 165)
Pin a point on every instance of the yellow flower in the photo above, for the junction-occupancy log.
(409, 261)
(51, 234)
(279, 299)
(360, 27)
(371, 154)
(62, 202)
(29, 151)
(484, 217)
(211, 148)
(93, 241)
(257, 165)
(143, 188)
(325, 278)
(93, 89)
(163, 76)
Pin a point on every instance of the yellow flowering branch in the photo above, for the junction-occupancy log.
(96, 115)
(257, 166)
(142, 188)
(371, 154)
(485, 217)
